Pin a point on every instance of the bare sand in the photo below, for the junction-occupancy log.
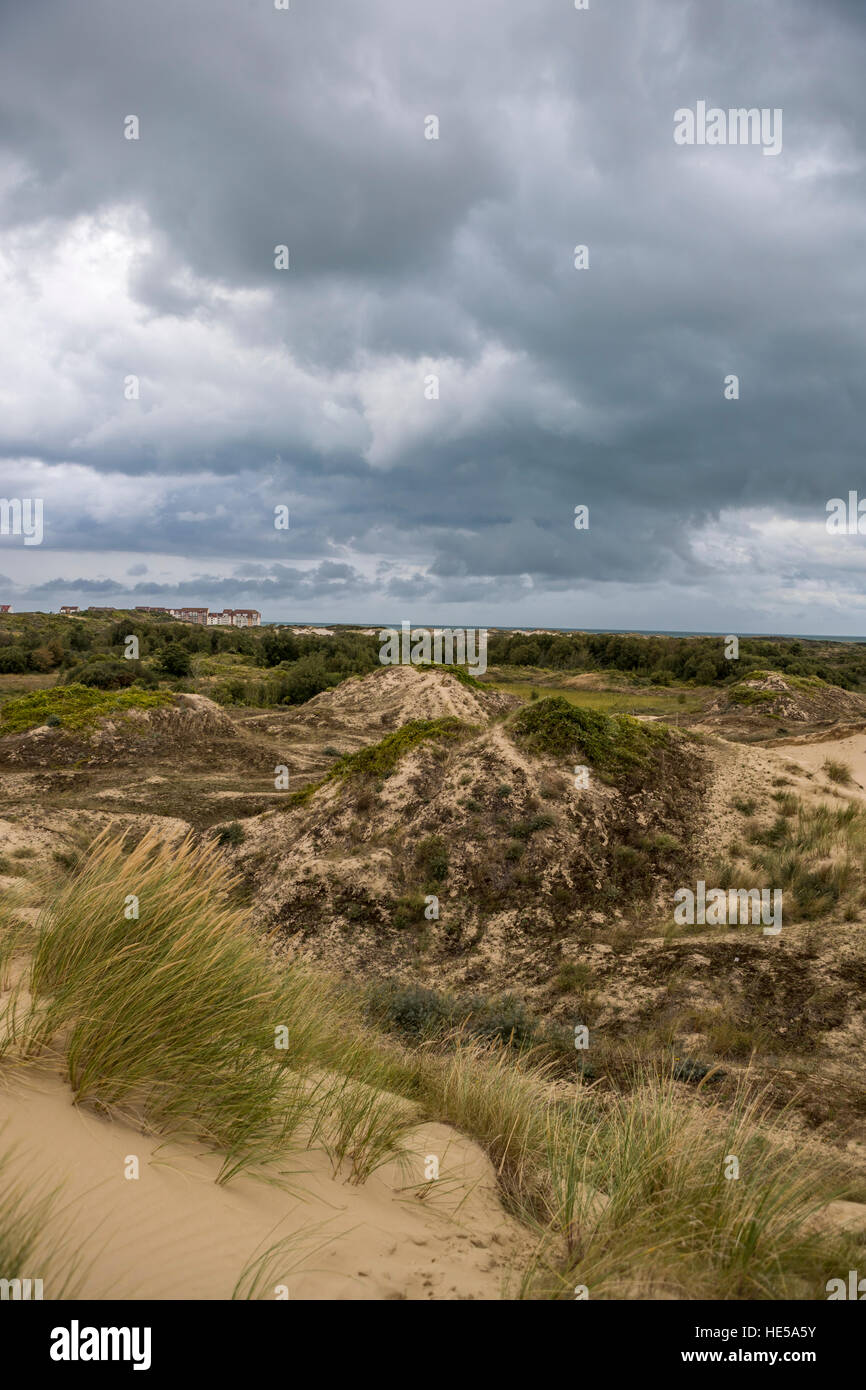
(850, 750)
(172, 1233)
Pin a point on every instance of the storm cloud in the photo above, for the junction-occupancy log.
(163, 387)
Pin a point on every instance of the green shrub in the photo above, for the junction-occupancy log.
(408, 911)
(112, 673)
(458, 672)
(431, 859)
(573, 977)
(308, 676)
(412, 1009)
(231, 834)
(746, 695)
(380, 759)
(175, 660)
(522, 830)
(504, 1019)
(614, 744)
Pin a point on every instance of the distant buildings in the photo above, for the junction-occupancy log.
(243, 617)
(230, 617)
(190, 615)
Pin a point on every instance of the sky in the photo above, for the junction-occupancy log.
(432, 385)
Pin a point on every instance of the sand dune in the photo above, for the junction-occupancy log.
(174, 1234)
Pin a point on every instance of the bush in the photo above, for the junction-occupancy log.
(13, 661)
(459, 673)
(231, 834)
(411, 1009)
(504, 1020)
(615, 745)
(110, 674)
(408, 911)
(175, 660)
(522, 830)
(279, 646)
(747, 695)
(573, 977)
(380, 759)
(416, 1011)
(431, 859)
(306, 678)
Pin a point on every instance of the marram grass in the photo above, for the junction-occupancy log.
(174, 1014)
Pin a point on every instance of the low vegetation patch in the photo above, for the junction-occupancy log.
(75, 706)
(615, 745)
(813, 854)
(379, 760)
(458, 672)
(748, 695)
(231, 834)
(421, 1013)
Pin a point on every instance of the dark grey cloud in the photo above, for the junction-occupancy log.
(306, 387)
(275, 583)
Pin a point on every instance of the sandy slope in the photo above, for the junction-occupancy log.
(850, 750)
(174, 1234)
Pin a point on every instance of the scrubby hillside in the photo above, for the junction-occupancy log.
(362, 709)
(171, 1039)
(84, 727)
(464, 847)
(393, 695)
(764, 703)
